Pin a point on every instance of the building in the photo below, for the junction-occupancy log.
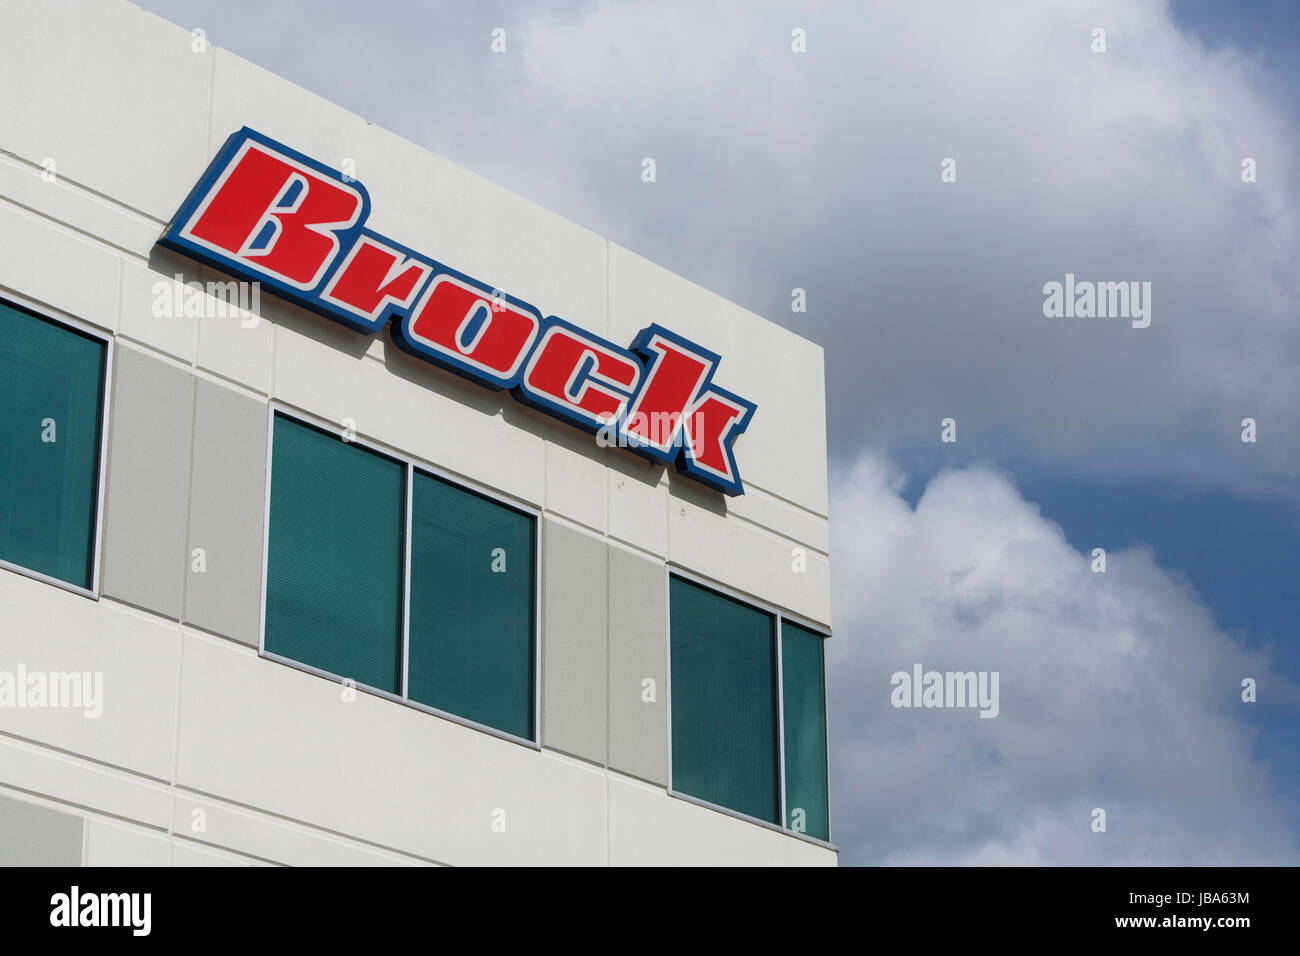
(296, 572)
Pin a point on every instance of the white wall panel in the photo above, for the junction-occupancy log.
(263, 734)
(259, 835)
(49, 629)
(27, 184)
(171, 333)
(116, 96)
(110, 843)
(784, 449)
(444, 429)
(649, 828)
(749, 559)
(54, 266)
(78, 782)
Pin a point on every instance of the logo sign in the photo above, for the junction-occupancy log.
(269, 214)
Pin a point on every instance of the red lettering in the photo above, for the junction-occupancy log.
(676, 378)
(707, 425)
(276, 216)
(471, 328)
(589, 378)
(373, 277)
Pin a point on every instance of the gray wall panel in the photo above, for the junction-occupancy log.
(638, 731)
(574, 625)
(144, 557)
(227, 502)
(32, 835)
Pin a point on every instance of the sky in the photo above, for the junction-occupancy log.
(821, 170)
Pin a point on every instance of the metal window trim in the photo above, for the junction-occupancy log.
(403, 457)
(780, 720)
(411, 465)
(745, 597)
(779, 616)
(72, 323)
(397, 699)
(538, 525)
(409, 479)
(737, 815)
(44, 578)
(668, 673)
(266, 527)
(826, 740)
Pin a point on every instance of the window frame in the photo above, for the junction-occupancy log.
(411, 465)
(62, 319)
(779, 617)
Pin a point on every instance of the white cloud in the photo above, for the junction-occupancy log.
(1117, 691)
(821, 170)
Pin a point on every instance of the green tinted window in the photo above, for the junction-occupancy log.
(724, 715)
(334, 557)
(51, 406)
(472, 588)
(804, 712)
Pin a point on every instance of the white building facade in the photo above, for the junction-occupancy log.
(359, 572)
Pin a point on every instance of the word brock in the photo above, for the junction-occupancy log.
(265, 212)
